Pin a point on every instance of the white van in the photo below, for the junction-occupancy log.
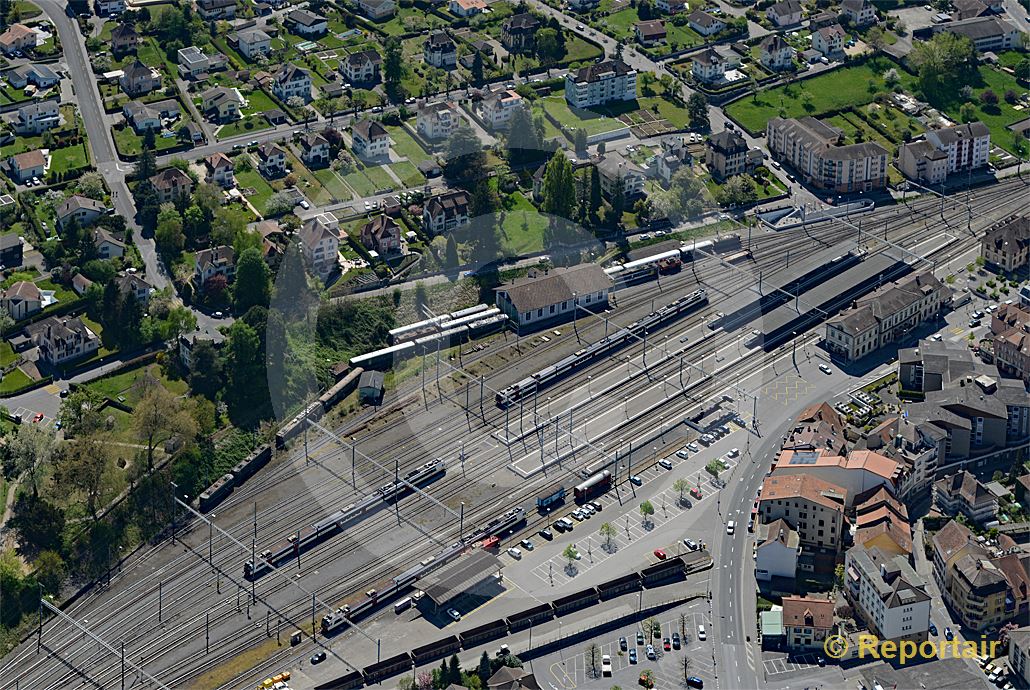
(730, 526)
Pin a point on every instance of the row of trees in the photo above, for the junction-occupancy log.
(450, 673)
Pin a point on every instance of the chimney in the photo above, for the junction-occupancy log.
(898, 441)
(883, 570)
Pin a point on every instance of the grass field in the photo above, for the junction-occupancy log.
(408, 173)
(332, 182)
(262, 190)
(998, 117)
(129, 143)
(239, 127)
(840, 89)
(129, 384)
(523, 227)
(14, 380)
(406, 146)
(7, 354)
(359, 183)
(557, 108)
(379, 176)
(308, 183)
(69, 158)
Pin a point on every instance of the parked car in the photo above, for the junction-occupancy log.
(667, 644)
(693, 447)
(515, 553)
(623, 643)
(933, 629)
(660, 554)
(948, 634)
(640, 638)
(675, 640)
(666, 463)
(682, 454)
(701, 633)
(825, 369)
(526, 544)
(734, 452)
(318, 657)
(690, 544)
(696, 493)
(636, 479)
(649, 650)
(546, 534)
(695, 682)
(633, 656)
(454, 614)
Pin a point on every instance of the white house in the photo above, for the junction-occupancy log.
(437, 120)
(829, 40)
(378, 9)
(362, 67)
(860, 12)
(292, 81)
(600, 83)
(707, 66)
(271, 160)
(307, 24)
(60, 339)
(315, 150)
(21, 299)
(614, 169)
(785, 13)
(320, 242)
(497, 109)
(254, 43)
(466, 8)
(208, 263)
(219, 170)
(887, 594)
(775, 53)
(704, 23)
(439, 50)
(446, 212)
(776, 551)
(370, 138)
(26, 165)
(83, 210)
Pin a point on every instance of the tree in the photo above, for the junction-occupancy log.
(205, 376)
(50, 571)
(739, 189)
(246, 385)
(159, 413)
(571, 555)
(876, 39)
(451, 252)
(484, 668)
(91, 185)
(838, 576)
(580, 140)
(549, 47)
(607, 531)
(393, 69)
(279, 203)
(592, 657)
(524, 142)
(697, 111)
(939, 59)
(484, 201)
(989, 98)
(559, 187)
(682, 201)
(253, 281)
(465, 159)
(967, 112)
(179, 320)
(686, 667)
(478, 76)
(83, 467)
(31, 450)
(646, 511)
(1022, 70)
(169, 235)
(80, 411)
(681, 485)
(454, 671)
(5, 322)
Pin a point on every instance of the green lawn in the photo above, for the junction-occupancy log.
(523, 227)
(843, 88)
(677, 117)
(7, 354)
(251, 179)
(333, 184)
(129, 384)
(69, 158)
(379, 177)
(27, 10)
(998, 117)
(359, 183)
(240, 127)
(406, 146)
(395, 25)
(579, 50)
(408, 173)
(557, 108)
(258, 102)
(22, 144)
(620, 24)
(14, 380)
(129, 143)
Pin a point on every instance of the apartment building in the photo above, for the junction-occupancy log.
(617, 171)
(271, 160)
(518, 32)
(987, 33)
(498, 108)
(916, 445)
(370, 138)
(208, 263)
(315, 150)
(440, 50)
(437, 120)
(881, 522)
(727, 154)
(219, 170)
(829, 40)
(1019, 654)
(784, 13)
(216, 9)
(813, 148)
(1006, 244)
(291, 81)
(445, 212)
(320, 243)
(857, 472)
(1010, 328)
(886, 315)
(604, 82)
(814, 506)
(887, 594)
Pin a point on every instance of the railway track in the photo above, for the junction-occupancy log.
(127, 601)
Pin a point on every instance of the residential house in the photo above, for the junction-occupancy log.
(132, 284)
(969, 9)
(881, 522)
(307, 24)
(963, 493)
(12, 248)
(107, 245)
(829, 40)
(370, 139)
(600, 83)
(110, 8)
(220, 104)
(36, 118)
(887, 594)
(124, 38)
(22, 167)
(775, 53)
(254, 44)
(814, 506)
(17, 38)
(817, 427)
(271, 160)
(650, 33)
(784, 13)
(171, 184)
(445, 212)
(1006, 244)
(672, 6)
(138, 79)
(465, 8)
(886, 315)
(79, 209)
(437, 120)
(981, 592)
(216, 9)
(704, 23)
(440, 50)
(707, 66)
(81, 284)
(217, 261)
(807, 622)
(219, 170)
(1019, 655)
(314, 150)
(61, 338)
(858, 12)
(150, 116)
(382, 234)
(192, 62)
(813, 148)
(518, 32)
(377, 9)
(21, 300)
(362, 67)
(616, 170)
(290, 81)
(556, 295)
(923, 162)
(320, 244)
(777, 547)
(675, 154)
(498, 108)
(40, 76)
(1010, 330)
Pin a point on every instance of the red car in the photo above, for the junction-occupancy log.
(667, 645)
(695, 492)
(38, 418)
(660, 554)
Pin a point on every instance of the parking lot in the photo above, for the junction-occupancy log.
(571, 668)
(789, 664)
(593, 549)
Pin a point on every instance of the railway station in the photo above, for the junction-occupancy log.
(475, 577)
